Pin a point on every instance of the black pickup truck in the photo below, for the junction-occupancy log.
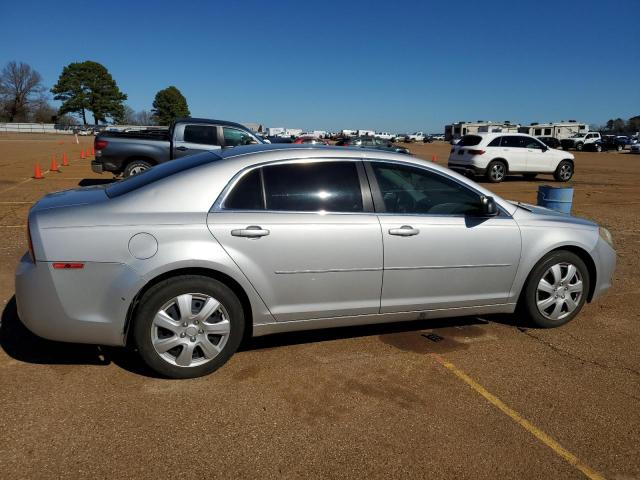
(129, 153)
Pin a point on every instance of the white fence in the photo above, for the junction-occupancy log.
(57, 128)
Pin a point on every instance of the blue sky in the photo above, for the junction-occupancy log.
(395, 66)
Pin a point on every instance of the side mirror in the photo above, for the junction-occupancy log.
(488, 206)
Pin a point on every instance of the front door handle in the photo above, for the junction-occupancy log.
(252, 231)
(182, 149)
(404, 231)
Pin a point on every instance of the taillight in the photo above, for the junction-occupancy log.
(32, 255)
(100, 144)
(68, 265)
(476, 152)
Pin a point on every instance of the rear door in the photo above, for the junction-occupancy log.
(305, 235)
(190, 138)
(513, 151)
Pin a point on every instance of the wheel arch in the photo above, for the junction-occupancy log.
(582, 254)
(499, 159)
(227, 280)
(143, 158)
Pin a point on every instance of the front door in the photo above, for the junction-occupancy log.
(438, 252)
(304, 235)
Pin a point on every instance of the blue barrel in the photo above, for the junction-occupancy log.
(555, 198)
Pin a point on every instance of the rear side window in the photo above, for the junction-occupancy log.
(512, 141)
(495, 142)
(470, 140)
(247, 193)
(313, 187)
(204, 134)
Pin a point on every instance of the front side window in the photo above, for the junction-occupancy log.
(234, 137)
(203, 134)
(313, 187)
(532, 143)
(411, 190)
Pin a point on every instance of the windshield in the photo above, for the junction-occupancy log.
(577, 135)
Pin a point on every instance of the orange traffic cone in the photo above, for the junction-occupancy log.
(54, 165)
(434, 158)
(82, 155)
(37, 173)
(65, 160)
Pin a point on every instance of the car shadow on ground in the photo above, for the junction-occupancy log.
(90, 182)
(22, 345)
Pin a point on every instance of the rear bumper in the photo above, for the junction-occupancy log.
(80, 306)
(96, 166)
(466, 168)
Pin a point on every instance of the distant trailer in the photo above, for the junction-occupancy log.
(555, 129)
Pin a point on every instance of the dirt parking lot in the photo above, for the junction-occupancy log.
(487, 400)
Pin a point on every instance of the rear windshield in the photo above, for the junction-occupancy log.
(158, 173)
(470, 140)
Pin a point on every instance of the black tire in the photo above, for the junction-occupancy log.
(598, 148)
(528, 300)
(529, 176)
(564, 171)
(136, 166)
(619, 148)
(157, 296)
(496, 171)
(579, 146)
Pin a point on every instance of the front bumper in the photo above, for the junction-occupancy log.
(604, 258)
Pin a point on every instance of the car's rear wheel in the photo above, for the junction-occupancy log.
(619, 148)
(556, 289)
(135, 167)
(579, 146)
(564, 171)
(188, 326)
(496, 171)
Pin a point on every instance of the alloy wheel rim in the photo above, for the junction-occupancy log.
(137, 170)
(497, 171)
(190, 330)
(565, 172)
(559, 291)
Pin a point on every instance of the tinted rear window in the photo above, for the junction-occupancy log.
(470, 140)
(158, 172)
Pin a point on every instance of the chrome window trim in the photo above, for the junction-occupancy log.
(218, 205)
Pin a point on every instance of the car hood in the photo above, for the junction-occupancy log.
(69, 198)
(528, 214)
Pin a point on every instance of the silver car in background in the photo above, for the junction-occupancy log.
(186, 259)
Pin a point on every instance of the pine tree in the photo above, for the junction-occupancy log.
(168, 105)
(88, 86)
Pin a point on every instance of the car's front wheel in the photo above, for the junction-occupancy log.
(579, 146)
(556, 289)
(188, 326)
(564, 171)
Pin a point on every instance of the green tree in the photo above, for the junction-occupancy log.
(168, 105)
(633, 125)
(88, 86)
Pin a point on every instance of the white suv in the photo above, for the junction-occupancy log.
(498, 154)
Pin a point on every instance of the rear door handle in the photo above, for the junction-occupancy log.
(404, 231)
(182, 149)
(252, 231)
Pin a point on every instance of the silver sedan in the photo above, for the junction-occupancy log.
(185, 260)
